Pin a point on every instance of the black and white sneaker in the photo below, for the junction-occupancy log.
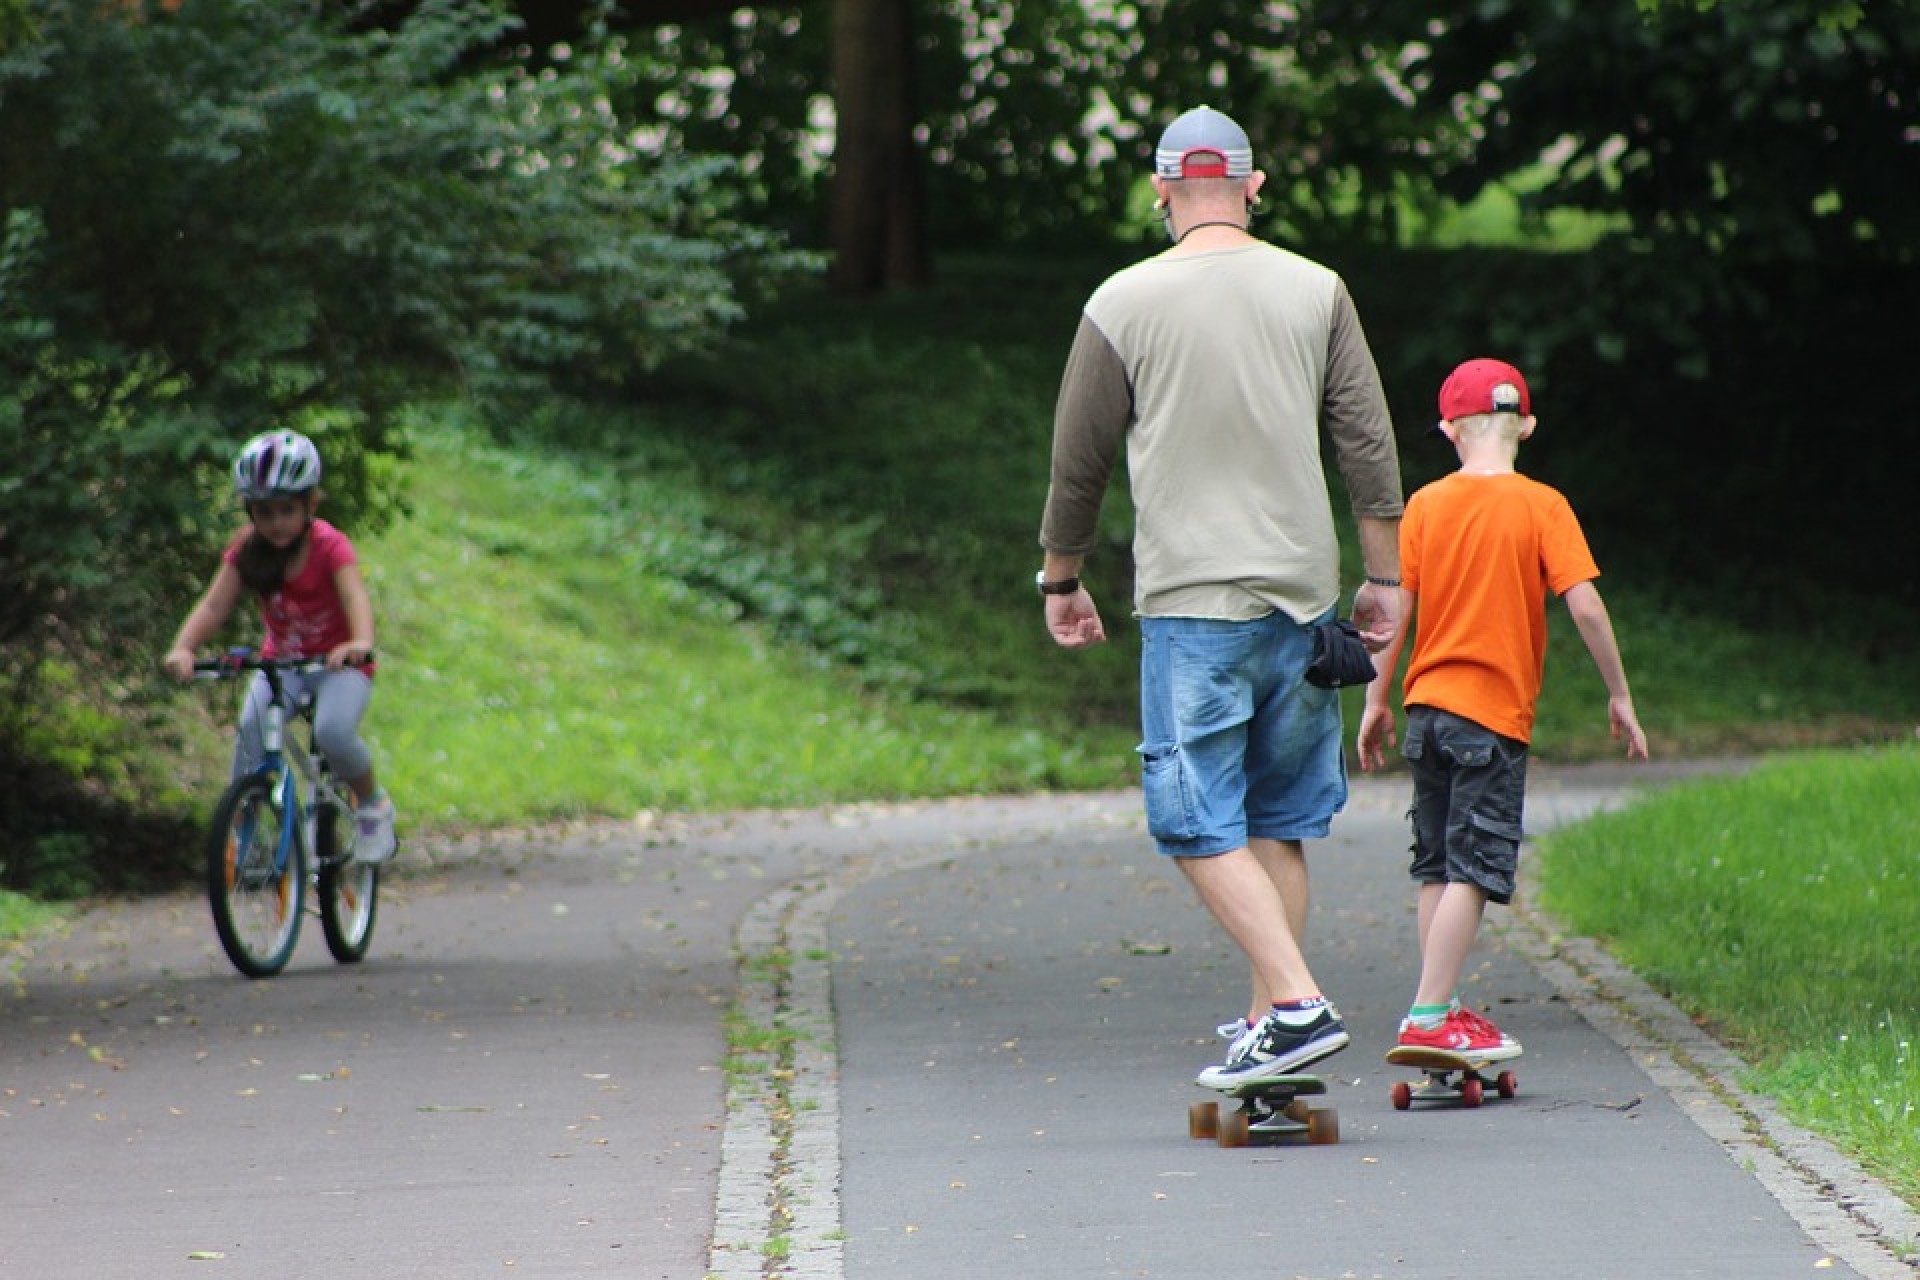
(1280, 1048)
(1239, 1035)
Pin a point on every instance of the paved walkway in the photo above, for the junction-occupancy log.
(988, 1014)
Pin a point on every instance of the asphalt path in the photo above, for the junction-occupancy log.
(1001, 1004)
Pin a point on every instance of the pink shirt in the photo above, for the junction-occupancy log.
(306, 618)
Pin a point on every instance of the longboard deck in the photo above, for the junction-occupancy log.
(1443, 1059)
(1275, 1086)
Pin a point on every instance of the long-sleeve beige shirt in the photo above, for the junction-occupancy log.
(1218, 371)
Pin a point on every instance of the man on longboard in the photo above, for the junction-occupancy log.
(1216, 365)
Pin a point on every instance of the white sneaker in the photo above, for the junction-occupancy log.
(373, 838)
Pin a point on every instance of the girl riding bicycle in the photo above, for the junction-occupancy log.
(314, 603)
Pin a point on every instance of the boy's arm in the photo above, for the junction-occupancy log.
(359, 610)
(1376, 719)
(203, 623)
(1596, 628)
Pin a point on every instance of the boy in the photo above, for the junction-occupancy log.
(1479, 550)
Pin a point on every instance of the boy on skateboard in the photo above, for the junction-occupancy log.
(1479, 550)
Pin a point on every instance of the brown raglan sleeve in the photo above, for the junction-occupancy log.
(1354, 409)
(1090, 421)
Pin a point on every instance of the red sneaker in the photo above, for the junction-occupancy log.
(1457, 1034)
(1483, 1027)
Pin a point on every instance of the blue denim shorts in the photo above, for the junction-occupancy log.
(1236, 744)
(1469, 790)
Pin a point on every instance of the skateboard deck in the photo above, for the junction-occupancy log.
(1451, 1077)
(1271, 1111)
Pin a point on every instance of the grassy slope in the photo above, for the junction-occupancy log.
(539, 667)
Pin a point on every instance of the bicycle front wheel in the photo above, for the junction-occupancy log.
(253, 877)
(349, 891)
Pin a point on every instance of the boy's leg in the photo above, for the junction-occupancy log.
(340, 701)
(249, 748)
(1449, 940)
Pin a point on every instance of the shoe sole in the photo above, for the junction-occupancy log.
(1305, 1056)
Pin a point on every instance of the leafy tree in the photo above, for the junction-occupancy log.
(240, 213)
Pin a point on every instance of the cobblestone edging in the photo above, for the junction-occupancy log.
(1837, 1203)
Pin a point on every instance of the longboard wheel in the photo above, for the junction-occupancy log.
(1234, 1131)
(1402, 1095)
(1323, 1127)
(1508, 1084)
(1471, 1091)
(1203, 1120)
(1297, 1110)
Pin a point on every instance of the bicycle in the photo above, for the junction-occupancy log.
(259, 863)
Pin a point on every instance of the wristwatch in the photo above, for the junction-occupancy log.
(1064, 587)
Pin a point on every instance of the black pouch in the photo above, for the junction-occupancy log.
(1340, 657)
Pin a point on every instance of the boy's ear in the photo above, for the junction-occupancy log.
(1526, 427)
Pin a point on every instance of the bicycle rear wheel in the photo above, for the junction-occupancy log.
(253, 878)
(349, 891)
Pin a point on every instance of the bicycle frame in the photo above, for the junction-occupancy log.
(281, 750)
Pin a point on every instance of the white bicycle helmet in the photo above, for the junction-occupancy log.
(276, 464)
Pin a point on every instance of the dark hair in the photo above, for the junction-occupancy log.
(263, 566)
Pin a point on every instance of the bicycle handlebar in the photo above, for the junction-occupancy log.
(234, 661)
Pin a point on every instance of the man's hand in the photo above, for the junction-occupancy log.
(1376, 612)
(1073, 621)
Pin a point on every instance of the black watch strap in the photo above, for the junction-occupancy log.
(1064, 587)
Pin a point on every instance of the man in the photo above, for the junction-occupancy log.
(1216, 362)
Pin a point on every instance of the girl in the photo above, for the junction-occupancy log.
(314, 603)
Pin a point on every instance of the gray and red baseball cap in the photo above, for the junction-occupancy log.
(1484, 386)
(1203, 143)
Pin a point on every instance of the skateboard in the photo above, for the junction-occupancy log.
(1450, 1077)
(1271, 1111)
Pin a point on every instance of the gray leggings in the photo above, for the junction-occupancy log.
(339, 700)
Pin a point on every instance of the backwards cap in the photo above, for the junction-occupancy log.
(1484, 386)
(1203, 143)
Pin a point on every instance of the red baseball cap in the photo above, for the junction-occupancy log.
(1484, 386)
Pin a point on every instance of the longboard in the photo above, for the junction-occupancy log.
(1271, 1111)
(1451, 1077)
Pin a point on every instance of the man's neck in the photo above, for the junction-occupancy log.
(1209, 233)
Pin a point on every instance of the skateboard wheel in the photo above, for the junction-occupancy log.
(1508, 1084)
(1234, 1131)
(1471, 1091)
(1203, 1120)
(1402, 1095)
(1323, 1127)
(1297, 1111)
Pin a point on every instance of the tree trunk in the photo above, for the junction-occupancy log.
(877, 203)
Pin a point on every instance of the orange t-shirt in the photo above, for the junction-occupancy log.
(1481, 553)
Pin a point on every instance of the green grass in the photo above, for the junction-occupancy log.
(543, 657)
(1799, 889)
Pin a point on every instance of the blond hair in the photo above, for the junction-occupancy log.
(1507, 426)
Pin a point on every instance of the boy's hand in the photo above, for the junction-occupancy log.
(178, 663)
(1625, 724)
(1376, 735)
(348, 654)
